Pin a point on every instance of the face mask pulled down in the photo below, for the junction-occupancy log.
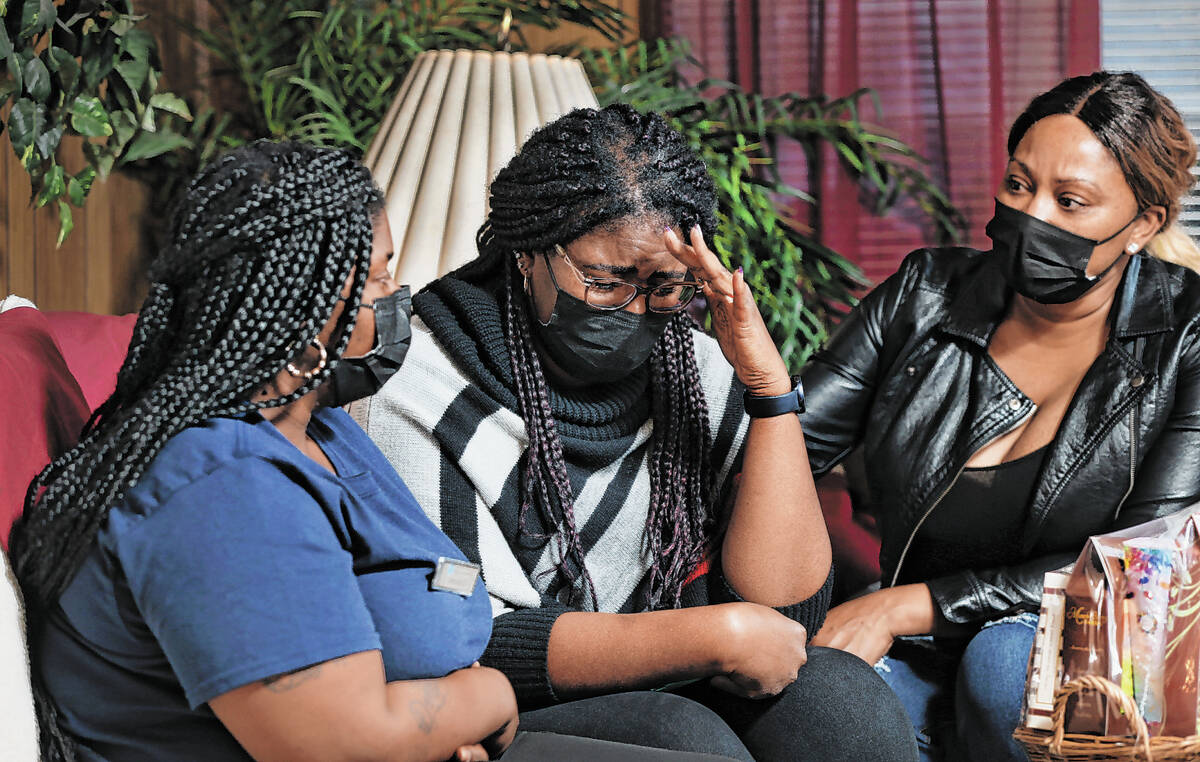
(1042, 261)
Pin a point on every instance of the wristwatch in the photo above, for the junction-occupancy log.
(769, 407)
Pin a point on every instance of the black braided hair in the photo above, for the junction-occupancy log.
(592, 170)
(260, 245)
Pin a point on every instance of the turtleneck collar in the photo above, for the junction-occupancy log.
(466, 318)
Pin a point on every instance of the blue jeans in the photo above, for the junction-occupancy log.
(964, 697)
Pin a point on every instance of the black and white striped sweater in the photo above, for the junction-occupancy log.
(448, 422)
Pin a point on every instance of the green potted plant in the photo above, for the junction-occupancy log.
(327, 71)
(81, 68)
(800, 284)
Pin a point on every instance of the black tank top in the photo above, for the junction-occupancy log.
(978, 523)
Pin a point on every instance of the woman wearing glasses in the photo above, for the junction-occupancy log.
(585, 436)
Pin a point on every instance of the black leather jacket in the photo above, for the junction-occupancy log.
(908, 376)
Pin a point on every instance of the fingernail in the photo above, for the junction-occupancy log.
(740, 271)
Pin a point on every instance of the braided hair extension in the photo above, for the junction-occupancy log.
(260, 245)
(593, 170)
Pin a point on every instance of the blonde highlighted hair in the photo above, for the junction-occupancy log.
(1147, 136)
(1173, 244)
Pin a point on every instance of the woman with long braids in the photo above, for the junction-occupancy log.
(565, 422)
(224, 565)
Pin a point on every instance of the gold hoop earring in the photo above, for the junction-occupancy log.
(321, 362)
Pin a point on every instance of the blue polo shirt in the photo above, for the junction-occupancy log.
(235, 558)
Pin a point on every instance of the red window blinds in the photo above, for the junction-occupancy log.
(951, 76)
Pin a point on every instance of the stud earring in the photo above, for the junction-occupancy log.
(1132, 248)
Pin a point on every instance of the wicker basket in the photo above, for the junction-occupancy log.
(1057, 746)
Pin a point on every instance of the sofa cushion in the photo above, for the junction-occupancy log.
(94, 347)
(27, 344)
(41, 405)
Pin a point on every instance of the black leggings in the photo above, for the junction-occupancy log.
(837, 710)
(551, 747)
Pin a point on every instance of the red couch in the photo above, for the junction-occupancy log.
(59, 366)
(55, 369)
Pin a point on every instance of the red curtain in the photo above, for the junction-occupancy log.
(951, 76)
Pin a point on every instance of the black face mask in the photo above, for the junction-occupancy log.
(358, 377)
(1043, 261)
(598, 346)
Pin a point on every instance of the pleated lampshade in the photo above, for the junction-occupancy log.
(458, 119)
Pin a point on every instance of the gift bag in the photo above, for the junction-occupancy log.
(1129, 612)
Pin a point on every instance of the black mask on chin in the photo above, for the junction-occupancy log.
(1042, 261)
(358, 377)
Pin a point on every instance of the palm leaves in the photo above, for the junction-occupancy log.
(800, 284)
(325, 71)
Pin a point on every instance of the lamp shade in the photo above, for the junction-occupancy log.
(457, 120)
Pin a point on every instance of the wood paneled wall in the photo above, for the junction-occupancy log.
(100, 267)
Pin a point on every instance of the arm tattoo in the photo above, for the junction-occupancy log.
(284, 682)
(426, 706)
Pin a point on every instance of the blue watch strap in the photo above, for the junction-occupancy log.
(769, 407)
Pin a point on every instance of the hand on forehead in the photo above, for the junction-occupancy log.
(633, 251)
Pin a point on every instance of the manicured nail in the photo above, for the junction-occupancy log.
(739, 271)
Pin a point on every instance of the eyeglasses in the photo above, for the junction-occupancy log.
(613, 294)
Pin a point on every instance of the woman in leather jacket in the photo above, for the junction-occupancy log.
(1011, 403)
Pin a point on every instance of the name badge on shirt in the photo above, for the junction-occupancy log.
(454, 576)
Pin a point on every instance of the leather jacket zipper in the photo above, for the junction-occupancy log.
(1139, 349)
(913, 535)
(1133, 420)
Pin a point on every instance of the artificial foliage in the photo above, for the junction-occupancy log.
(84, 68)
(326, 71)
(800, 285)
